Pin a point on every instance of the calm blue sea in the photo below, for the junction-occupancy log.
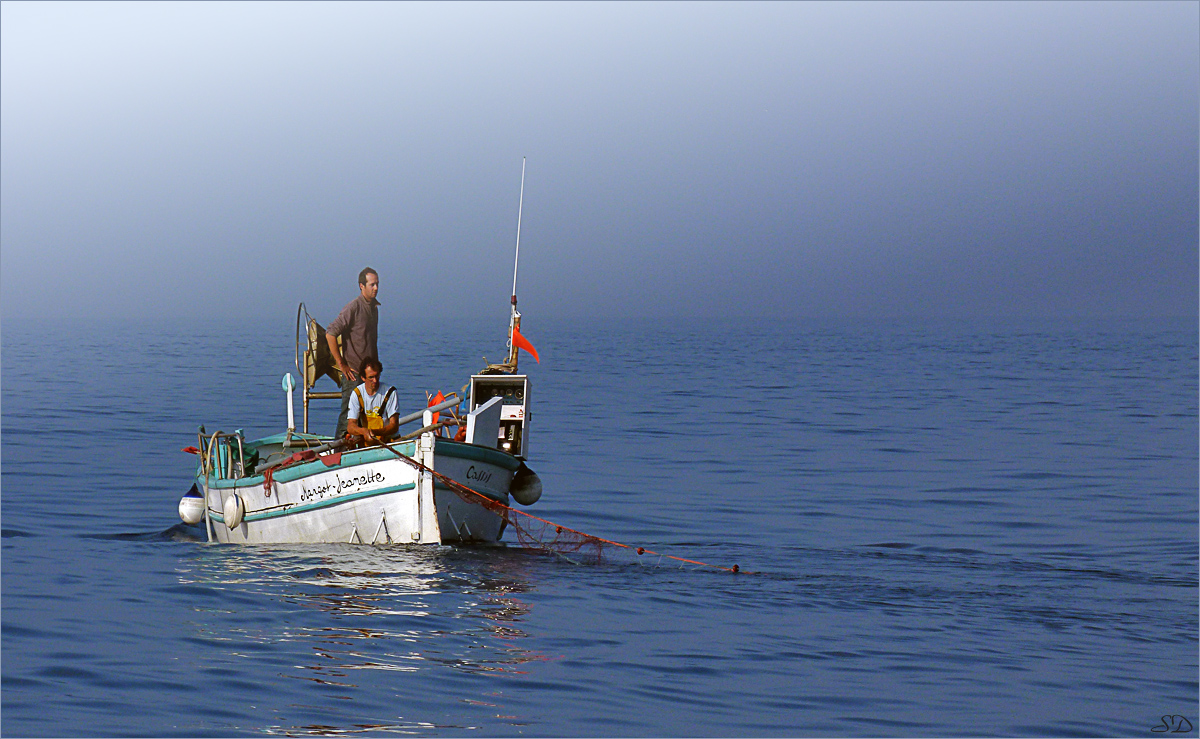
(983, 528)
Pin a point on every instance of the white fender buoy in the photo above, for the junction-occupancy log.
(235, 511)
(191, 509)
(526, 486)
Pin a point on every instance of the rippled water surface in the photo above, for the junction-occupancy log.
(953, 529)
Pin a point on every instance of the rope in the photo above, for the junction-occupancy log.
(445, 422)
(505, 511)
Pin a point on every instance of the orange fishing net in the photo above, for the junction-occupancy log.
(534, 532)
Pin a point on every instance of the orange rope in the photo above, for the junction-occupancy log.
(488, 503)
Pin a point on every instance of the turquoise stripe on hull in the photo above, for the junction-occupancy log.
(444, 448)
(475, 453)
(305, 469)
(439, 485)
(296, 509)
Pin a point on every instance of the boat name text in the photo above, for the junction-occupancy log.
(480, 475)
(338, 486)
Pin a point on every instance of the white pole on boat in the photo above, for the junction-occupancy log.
(288, 386)
(514, 316)
(210, 463)
(207, 521)
(520, 205)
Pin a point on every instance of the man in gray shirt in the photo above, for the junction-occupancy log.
(358, 325)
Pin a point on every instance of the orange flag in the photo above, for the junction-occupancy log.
(434, 401)
(521, 342)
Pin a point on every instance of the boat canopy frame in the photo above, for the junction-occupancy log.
(314, 361)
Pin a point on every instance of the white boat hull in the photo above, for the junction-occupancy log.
(369, 496)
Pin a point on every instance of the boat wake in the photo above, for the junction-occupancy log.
(178, 532)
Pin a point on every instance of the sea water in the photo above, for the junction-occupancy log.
(984, 528)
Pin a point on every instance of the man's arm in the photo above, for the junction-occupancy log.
(392, 426)
(354, 429)
(337, 357)
(392, 409)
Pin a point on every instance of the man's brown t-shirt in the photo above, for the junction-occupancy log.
(358, 325)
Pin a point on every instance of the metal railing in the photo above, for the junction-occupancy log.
(216, 455)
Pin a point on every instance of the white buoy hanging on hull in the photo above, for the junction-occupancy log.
(235, 511)
(191, 509)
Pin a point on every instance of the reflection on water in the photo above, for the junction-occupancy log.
(416, 727)
(348, 616)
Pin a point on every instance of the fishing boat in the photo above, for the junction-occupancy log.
(450, 481)
(296, 487)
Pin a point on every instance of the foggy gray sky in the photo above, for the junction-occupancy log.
(872, 160)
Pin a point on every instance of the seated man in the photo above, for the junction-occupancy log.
(369, 407)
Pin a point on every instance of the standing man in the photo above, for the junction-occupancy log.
(358, 325)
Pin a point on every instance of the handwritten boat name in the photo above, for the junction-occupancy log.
(338, 485)
(480, 475)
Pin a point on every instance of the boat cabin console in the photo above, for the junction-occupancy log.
(514, 412)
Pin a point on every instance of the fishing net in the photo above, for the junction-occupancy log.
(534, 532)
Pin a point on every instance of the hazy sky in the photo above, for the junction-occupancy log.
(684, 159)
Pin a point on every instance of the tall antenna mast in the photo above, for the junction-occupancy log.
(520, 205)
(514, 318)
